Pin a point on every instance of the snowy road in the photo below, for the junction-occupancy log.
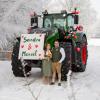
(84, 86)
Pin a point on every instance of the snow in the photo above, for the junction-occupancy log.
(84, 86)
(14, 19)
(94, 41)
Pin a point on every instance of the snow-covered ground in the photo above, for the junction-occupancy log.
(94, 42)
(84, 86)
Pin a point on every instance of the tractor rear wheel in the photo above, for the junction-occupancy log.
(82, 56)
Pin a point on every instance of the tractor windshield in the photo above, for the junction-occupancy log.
(54, 21)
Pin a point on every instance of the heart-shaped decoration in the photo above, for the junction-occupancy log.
(22, 46)
(36, 46)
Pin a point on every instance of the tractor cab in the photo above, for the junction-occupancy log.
(61, 20)
(54, 20)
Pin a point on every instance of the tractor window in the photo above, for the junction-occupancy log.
(47, 23)
(70, 20)
(59, 22)
(54, 21)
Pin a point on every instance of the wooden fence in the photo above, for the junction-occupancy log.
(5, 55)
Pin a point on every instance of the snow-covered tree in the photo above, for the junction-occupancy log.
(87, 13)
(15, 18)
(15, 14)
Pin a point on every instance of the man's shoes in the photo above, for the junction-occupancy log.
(59, 84)
(52, 83)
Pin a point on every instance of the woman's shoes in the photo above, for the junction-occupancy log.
(59, 84)
(52, 83)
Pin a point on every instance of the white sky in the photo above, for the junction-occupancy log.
(96, 6)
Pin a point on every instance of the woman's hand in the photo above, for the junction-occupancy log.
(49, 54)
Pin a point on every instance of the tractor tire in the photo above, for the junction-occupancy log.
(17, 67)
(82, 56)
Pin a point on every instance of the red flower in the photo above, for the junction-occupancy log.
(75, 12)
(75, 37)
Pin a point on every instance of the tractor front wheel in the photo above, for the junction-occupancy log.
(16, 63)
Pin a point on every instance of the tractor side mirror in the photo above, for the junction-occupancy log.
(76, 19)
(34, 22)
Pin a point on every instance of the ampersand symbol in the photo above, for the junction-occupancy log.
(29, 47)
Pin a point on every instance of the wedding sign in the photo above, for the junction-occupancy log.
(31, 46)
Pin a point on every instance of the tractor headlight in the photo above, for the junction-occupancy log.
(64, 15)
